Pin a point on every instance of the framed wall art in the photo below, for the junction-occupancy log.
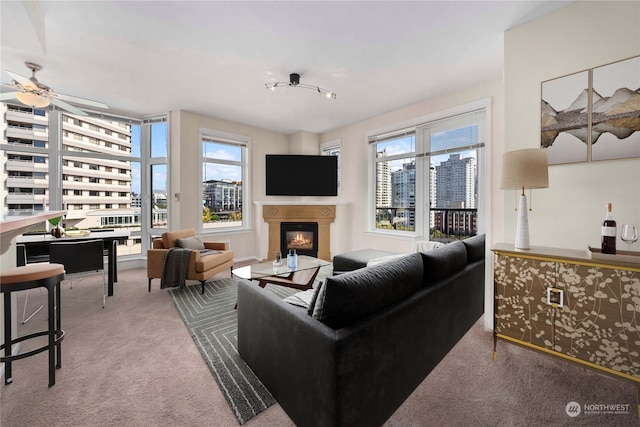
(593, 114)
(565, 118)
(615, 116)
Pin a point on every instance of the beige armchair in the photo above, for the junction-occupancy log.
(200, 268)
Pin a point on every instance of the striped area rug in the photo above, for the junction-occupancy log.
(212, 322)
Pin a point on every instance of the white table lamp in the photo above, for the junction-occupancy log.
(524, 169)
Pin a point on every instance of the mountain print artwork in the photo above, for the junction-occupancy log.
(614, 115)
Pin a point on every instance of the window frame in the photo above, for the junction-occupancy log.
(57, 155)
(375, 136)
(231, 139)
(325, 150)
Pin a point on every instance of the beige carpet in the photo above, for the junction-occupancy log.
(134, 364)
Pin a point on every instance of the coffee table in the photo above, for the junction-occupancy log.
(301, 277)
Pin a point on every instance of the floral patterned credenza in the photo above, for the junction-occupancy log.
(598, 322)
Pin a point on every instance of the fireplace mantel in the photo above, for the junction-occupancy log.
(323, 214)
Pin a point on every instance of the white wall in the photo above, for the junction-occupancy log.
(577, 37)
(185, 170)
(185, 176)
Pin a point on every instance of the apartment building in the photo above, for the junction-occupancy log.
(92, 181)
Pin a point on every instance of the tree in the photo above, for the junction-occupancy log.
(206, 214)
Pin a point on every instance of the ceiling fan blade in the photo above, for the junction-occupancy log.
(68, 107)
(24, 81)
(11, 85)
(8, 95)
(77, 100)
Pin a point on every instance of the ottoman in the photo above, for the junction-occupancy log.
(350, 261)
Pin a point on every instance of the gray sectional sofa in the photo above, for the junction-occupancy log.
(368, 340)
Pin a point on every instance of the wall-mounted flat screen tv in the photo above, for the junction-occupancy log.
(301, 175)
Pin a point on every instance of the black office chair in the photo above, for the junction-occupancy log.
(80, 258)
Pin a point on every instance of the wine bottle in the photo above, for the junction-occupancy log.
(608, 233)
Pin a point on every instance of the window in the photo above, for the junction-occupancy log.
(425, 178)
(332, 148)
(159, 176)
(452, 148)
(224, 169)
(395, 187)
(74, 153)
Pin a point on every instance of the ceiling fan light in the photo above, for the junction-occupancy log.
(32, 100)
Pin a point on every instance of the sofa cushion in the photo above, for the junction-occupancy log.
(208, 262)
(444, 261)
(351, 296)
(475, 248)
(170, 238)
(194, 242)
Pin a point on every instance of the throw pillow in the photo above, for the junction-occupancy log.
(191, 243)
(382, 259)
(443, 261)
(314, 299)
(427, 245)
(475, 248)
(301, 299)
(351, 296)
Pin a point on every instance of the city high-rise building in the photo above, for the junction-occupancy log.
(454, 211)
(403, 187)
(456, 182)
(383, 181)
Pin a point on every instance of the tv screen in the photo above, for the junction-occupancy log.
(300, 175)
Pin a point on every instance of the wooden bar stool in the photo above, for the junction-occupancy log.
(29, 277)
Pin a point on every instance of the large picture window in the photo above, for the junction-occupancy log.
(426, 179)
(224, 169)
(92, 166)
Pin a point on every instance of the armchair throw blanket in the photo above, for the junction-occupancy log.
(175, 267)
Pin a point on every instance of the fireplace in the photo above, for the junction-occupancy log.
(301, 236)
(320, 214)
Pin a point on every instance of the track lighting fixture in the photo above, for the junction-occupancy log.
(294, 81)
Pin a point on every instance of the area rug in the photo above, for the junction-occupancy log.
(212, 322)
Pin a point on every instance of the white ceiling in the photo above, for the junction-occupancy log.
(213, 57)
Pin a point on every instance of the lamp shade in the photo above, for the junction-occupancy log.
(526, 168)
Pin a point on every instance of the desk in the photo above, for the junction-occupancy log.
(39, 243)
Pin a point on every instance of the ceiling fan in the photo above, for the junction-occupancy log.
(31, 92)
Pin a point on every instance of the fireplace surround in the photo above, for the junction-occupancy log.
(323, 215)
